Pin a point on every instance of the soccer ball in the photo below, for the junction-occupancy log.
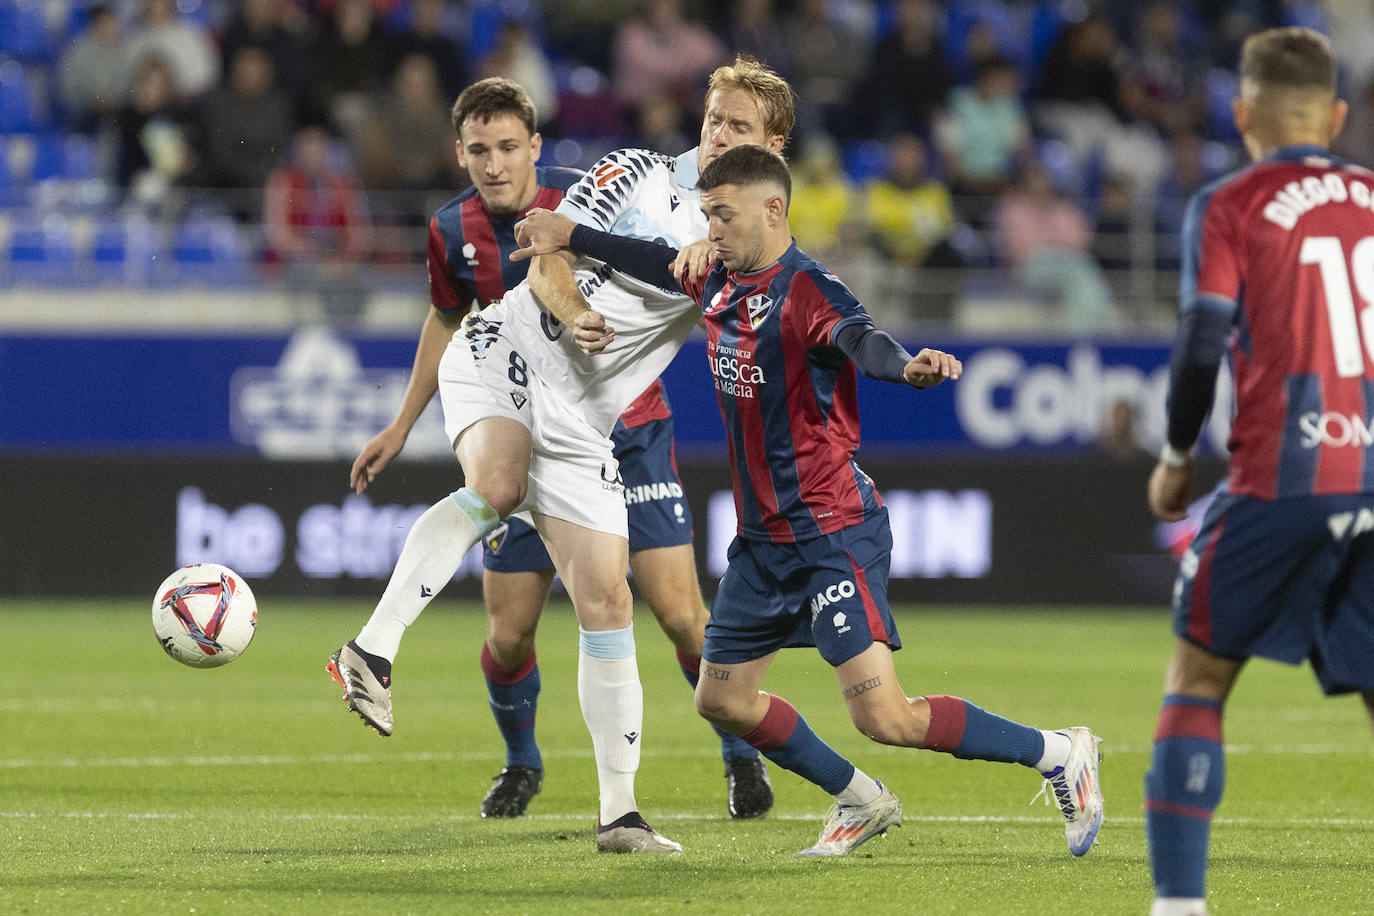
(204, 615)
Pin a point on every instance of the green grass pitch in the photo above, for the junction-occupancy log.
(131, 784)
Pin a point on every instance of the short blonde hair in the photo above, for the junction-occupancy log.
(1289, 58)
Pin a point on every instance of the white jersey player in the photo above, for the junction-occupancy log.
(530, 416)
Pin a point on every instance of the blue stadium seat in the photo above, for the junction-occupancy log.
(209, 249)
(42, 251)
(24, 31)
(18, 109)
(864, 160)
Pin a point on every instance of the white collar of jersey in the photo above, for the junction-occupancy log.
(685, 169)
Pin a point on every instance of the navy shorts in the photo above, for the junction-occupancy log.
(654, 503)
(829, 592)
(1284, 579)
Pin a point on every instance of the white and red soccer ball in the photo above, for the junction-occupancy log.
(204, 615)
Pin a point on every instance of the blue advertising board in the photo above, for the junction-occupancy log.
(319, 393)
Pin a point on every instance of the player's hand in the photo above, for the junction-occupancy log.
(375, 455)
(1170, 488)
(931, 367)
(541, 232)
(694, 260)
(591, 332)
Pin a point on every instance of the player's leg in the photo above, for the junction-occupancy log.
(492, 443)
(592, 564)
(1186, 777)
(515, 583)
(667, 580)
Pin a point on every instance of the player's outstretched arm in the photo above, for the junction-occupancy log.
(377, 453)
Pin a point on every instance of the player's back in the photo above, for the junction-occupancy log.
(1291, 241)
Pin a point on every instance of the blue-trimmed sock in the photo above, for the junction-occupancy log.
(514, 697)
(1182, 790)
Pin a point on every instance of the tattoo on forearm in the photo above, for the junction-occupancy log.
(864, 687)
(719, 674)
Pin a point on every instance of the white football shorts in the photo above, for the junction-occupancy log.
(573, 474)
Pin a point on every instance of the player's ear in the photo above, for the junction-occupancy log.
(1339, 111)
(458, 148)
(536, 144)
(775, 143)
(1240, 113)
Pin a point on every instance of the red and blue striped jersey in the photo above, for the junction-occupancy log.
(469, 245)
(651, 405)
(1285, 247)
(787, 395)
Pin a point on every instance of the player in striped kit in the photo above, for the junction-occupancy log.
(809, 565)
(1279, 275)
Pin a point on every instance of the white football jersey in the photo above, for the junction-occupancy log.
(634, 193)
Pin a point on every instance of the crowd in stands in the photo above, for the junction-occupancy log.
(1055, 139)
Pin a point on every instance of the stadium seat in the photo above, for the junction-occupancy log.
(24, 31)
(41, 251)
(208, 249)
(18, 108)
(864, 160)
(123, 250)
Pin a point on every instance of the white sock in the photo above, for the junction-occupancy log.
(1178, 906)
(862, 790)
(432, 552)
(1056, 753)
(612, 702)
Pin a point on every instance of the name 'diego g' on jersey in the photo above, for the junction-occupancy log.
(1286, 247)
(637, 194)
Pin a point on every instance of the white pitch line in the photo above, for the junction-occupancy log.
(658, 816)
(208, 760)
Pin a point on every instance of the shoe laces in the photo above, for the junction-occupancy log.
(1056, 785)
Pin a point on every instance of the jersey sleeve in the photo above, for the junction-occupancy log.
(602, 196)
(1213, 268)
(446, 291)
(833, 308)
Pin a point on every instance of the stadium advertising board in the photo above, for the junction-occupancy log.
(319, 394)
(1072, 530)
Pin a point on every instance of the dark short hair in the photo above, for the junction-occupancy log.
(496, 95)
(747, 164)
(1289, 58)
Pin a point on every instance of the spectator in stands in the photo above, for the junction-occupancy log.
(985, 134)
(1168, 69)
(94, 71)
(425, 36)
(1086, 100)
(661, 52)
(1119, 438)
(1114, 224)
(658, 125)
(316, 222)
(910, 218)
(910, 77)
(406, 144)
(910, 213)
(753, 29)
(245, 130)
(824, 204)
(348, 60)
(1047, 240)
(277, 27)
(520, 59)
(153, 152)
(1356, 139)
(829, 61)
(1187, 175)
(187, 48)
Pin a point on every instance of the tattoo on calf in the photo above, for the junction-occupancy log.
(863, 687)
(719, 674)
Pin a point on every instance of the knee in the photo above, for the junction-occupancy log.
(510, 642)
(722, 711)
(603, 605)
(503, 491)
(902, 726)
(684, 623)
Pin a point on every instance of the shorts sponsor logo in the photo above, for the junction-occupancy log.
(647, 492)
(837, 592)
(611, 482)
(1335, 430)
(839, 621)
(1350, 523)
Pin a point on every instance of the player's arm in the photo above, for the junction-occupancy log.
(878, 355)
(553, 283)
(435, 334)
(1211, 282)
